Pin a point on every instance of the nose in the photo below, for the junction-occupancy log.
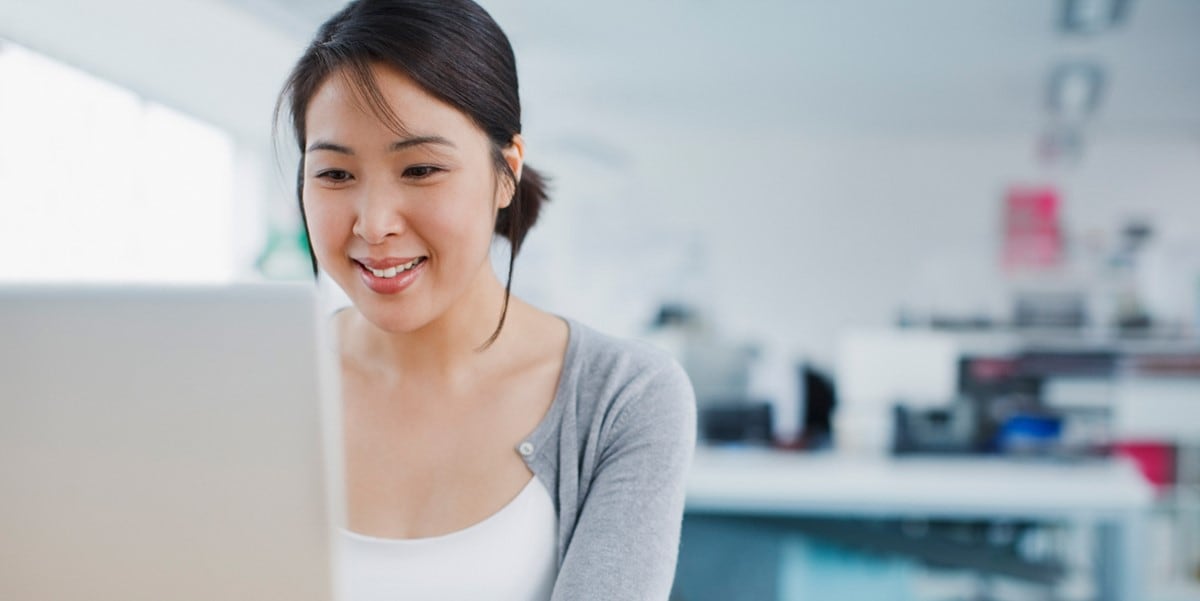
(380, 214)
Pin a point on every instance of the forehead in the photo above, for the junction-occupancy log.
(342, 110)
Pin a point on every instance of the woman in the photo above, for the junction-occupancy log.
(493, 450)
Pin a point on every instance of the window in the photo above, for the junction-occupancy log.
(100, 185)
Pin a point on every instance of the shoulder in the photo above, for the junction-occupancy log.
(602, 358)
(623, 377)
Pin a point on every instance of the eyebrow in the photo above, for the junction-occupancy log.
(397, 145)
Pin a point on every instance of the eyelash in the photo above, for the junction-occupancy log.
(344, 176)
(428, 170)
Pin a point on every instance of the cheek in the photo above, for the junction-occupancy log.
(324, 222)
(463, 217)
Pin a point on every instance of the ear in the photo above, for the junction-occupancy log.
(514, 155)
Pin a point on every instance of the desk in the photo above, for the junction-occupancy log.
(1110, 494)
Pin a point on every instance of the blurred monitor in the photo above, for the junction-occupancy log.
(876, 368)
(165, 443)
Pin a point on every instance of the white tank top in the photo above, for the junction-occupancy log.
(509, 556)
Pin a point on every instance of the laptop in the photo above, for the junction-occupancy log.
(167, 443)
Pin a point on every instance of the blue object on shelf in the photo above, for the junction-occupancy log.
(1025, 433)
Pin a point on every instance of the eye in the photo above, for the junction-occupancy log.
(421, 171)
(335, 175)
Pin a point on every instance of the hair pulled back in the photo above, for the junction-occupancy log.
(456, 52)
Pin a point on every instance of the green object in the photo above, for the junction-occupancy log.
(286, 255)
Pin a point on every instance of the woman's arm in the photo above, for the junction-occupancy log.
(626, 541)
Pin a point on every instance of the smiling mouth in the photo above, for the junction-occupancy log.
(392, 272)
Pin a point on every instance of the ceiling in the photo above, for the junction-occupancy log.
(619, 73)
(830, 66)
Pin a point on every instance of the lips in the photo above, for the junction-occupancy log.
(395, 276)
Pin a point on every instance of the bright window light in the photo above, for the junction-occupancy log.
(99, 185)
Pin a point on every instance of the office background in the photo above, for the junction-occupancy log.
(790, 180)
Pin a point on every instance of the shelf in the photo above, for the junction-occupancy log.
(773, 482)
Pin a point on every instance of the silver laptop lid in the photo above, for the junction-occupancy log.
(166, 443)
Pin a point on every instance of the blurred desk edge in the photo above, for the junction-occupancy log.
(772, 482)
(1107, 493)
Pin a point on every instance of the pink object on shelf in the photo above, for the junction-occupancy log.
(1156, 460)
(1032, 234)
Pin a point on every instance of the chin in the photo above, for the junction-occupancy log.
(393, 320)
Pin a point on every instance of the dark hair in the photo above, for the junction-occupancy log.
(457, 53)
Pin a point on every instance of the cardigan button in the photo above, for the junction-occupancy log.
(526, 448)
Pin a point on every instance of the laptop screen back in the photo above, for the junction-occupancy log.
(166, 443)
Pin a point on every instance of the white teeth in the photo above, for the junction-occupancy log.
(391, 272)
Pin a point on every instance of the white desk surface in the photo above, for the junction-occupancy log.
(759, 481)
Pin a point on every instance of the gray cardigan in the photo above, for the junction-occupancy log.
(614, 451)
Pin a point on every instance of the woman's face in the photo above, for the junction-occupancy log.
(402, 222)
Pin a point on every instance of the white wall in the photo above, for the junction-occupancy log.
(791, 239)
